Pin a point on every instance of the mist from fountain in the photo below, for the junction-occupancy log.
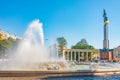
(32, 48)
(31, 51)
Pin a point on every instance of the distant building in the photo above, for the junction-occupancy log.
(116, 53)
(106, 54)
(6, 35)
(79, 55)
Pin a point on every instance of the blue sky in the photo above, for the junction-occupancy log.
(73, 19)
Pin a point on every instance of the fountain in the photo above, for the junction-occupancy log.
(31, 52)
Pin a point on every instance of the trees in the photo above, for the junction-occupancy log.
(61, 44)
(6, 45)
(0, 36)
(82, 44)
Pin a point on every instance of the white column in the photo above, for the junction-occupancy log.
(86, 56)
(71, 55)
(74, 56)
(63, 54)
(68, 56)
(78, 56)
(91, 56)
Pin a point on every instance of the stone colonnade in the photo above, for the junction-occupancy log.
(80, 54)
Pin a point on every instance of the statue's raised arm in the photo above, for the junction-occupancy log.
(105, 17)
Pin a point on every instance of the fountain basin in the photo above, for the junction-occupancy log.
(57, 73)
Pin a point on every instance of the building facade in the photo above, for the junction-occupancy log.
(6, 35)
(116, 53)
(78, 55)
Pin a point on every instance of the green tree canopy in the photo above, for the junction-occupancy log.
(61, 44)
(82, 44)
(7, 45)
(0, 36)
(61, 41)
